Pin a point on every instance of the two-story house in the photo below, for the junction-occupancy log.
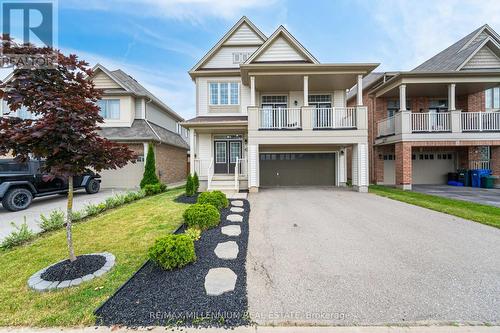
(268, 113)
(437, 118)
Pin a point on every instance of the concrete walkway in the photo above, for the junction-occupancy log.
(473, 194)
(320, 256)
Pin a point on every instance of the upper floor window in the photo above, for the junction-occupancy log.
(275, 101)
(393, 106)
(224, 93)
(22, 112)
(492, 98)
(320, 101)
(438, 105)
(240, 57)
(110, 108)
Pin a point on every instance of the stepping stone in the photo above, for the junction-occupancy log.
(237, 203)
(231, 230)
(219, 281)
(235, 218)
(237, 210)
(227, 250)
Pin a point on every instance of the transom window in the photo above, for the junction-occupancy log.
(320, 101)
(110, 108)
(275, 101)
(492, 98)
(240, 57)
(224, 93)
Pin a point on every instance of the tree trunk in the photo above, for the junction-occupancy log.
(69, 217)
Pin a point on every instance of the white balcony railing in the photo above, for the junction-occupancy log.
(386, 127)
(480, 121)
(280, 118)
(430, 122)
(479, 164)
(332, 118)
(239, 171)
(201, 166)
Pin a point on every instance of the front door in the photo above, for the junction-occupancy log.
(226, 153)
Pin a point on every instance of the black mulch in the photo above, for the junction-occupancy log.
(177, 298)
(183, 198)
(67, 270)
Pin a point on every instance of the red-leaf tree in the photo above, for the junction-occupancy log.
(64, 134)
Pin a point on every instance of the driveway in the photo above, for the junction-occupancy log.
(323, 256)
(45, 205)
(473, 194)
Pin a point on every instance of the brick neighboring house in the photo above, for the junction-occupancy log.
(440, 116)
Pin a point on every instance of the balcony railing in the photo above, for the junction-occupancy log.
(430, 122)
(480, 121)
(280, 118)
(386, 127)
(480, 164)
(334, 118)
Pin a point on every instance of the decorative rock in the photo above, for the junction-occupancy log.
(227, 250)
(88, 277)
(42, 285)
(219, 281)
(237, 203)
(231, 230)
(100, 272)
(235, 218)
(237, 210)
(76, 282)
(64, 284)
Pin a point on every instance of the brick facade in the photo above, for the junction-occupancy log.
(171, 163)
(403, 164)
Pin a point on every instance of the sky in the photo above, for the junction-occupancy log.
(158, 41)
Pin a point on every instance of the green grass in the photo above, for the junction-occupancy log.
(127, 232)
(485, 214)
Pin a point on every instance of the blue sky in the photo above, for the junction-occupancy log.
(157, 41)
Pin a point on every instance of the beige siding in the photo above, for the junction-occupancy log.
(339, 98)
(127, 112)
(484, 58)
(139, 108)
(155, 115)
(223, 58)
(244, 35)
(204, 146)
(280, 50)
(103, 81)
(203, 108)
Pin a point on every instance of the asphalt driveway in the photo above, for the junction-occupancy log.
(322, 256)
(45, 205)
(473, 194)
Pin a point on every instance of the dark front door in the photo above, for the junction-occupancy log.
(226, 153)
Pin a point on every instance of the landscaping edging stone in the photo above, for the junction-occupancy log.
(36, 282)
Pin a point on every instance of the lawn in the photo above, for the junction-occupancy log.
(127, 232)
(485, 214)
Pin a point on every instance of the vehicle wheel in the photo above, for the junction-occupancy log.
(93, 186)
(17, 199)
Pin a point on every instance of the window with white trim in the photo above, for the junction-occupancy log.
(224, 93)
(110, 108)
(240, 57)
(492, 98)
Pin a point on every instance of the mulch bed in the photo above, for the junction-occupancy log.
(67, 270)
(183, 198)
(177, 298)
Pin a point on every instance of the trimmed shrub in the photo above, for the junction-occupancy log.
(201, 216)
(196, 182)
(94, 209)
(54, 221)
(149, 177)
(215, 198)
(173, 251)
(22, 235)
(154, 189)
(194, 233)
(190, 186)
(77, 215)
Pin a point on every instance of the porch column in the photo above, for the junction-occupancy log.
(403, 165)
(359, 96)
(252, 90)
(402, 97)
(253, 167)
(306, 90)
(451, 96)
(342, 168)
(360, 167)
(192, 150)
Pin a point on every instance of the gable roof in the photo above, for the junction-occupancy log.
(130, 85)
(457, 55)
(244, 21)
(281, 32)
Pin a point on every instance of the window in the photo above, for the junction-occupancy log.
(320, 101)
(393, 106)
(240, 57)
(274, 101)
(438, 105)
(224, 93)
(493, 98)
(220, 152)
(110, 108)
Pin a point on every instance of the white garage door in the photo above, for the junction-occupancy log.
(127, 177)
(432, 167)
(389, 171)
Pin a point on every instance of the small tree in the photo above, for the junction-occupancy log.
(64, 134)
(150, 177)
(189, 186)
(196, 182)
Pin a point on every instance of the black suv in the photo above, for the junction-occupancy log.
(21, 182)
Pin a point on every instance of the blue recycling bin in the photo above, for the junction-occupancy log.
(476, 175)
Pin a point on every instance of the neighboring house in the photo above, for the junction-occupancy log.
(268, 113)
(439, 117)
(134, 116)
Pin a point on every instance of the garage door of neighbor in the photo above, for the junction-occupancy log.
(432, 167)
(297, 169)
(127, 177)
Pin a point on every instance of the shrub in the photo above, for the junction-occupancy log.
(173, 251)
(194, 233)
(196, 182)
(149, 177)
(22, 235)
(54, 221)
(215, 198)
(155, 189)
(201, 216)
(77, 216)
(94, 209)
(190, 186)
